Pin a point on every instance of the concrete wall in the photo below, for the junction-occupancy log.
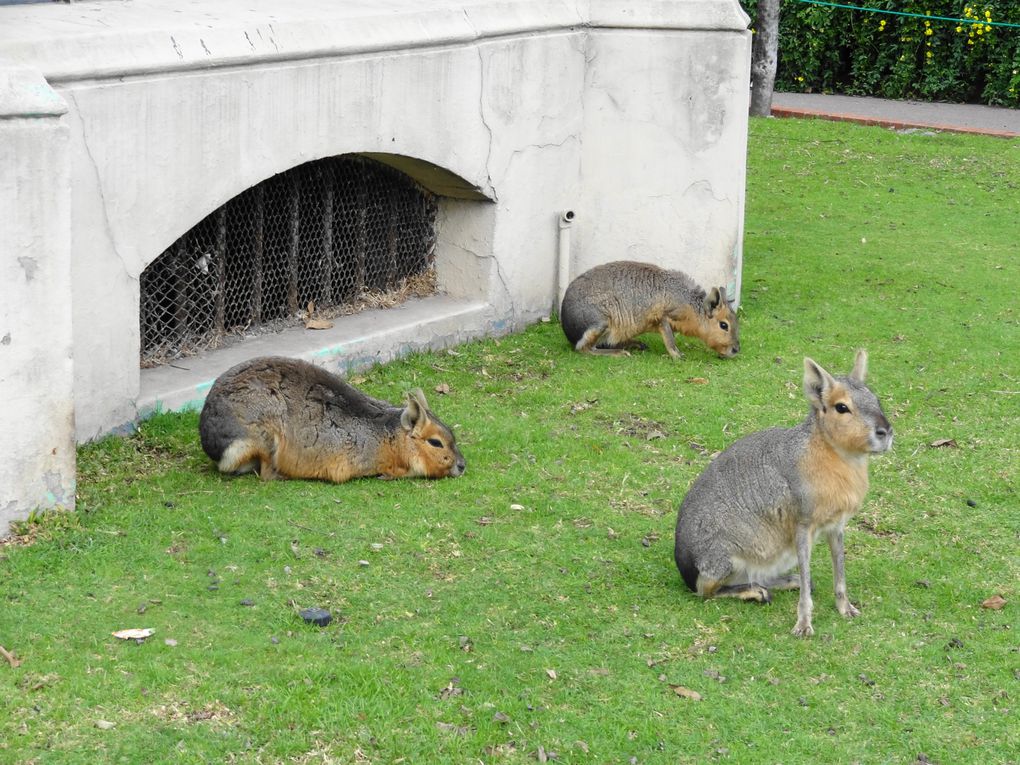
(36, 376)
(632, 115)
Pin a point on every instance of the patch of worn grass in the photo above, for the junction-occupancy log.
(531, 608)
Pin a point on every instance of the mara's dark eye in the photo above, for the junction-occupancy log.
(724, 326)
(842, 408)
(436, 443)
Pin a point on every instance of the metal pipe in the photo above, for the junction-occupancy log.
(566, 220)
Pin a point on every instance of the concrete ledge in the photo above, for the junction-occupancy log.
(102, 40)
(355, 342)
(24, 93)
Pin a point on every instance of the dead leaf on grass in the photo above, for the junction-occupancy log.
(685, 693)
(583, 405)
(105, 725)
(452, 689)
(995, 602)
(544, 755)
(551, 673)
(943, 443)
(443, 389)
(698, 380)
(318, 324)
(457, 730)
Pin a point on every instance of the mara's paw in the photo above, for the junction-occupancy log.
(803, 628)
(847, 609)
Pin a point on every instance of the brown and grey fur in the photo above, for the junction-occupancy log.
(287, 418)
(756, 510)
(605, 308)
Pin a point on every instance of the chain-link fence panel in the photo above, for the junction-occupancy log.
(323, 239)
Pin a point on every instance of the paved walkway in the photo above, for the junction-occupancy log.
(960, 118)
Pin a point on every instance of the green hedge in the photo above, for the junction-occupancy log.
(878, 54)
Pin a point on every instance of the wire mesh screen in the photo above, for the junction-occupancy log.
(325, 238)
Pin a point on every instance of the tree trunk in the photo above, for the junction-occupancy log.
(764, 53)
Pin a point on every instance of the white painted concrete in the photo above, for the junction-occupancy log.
(634, 115)
(37, 462)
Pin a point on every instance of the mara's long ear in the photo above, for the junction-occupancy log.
(817, 382)
(416, 413)
(722, 296)
(860, 370)
(712, 299)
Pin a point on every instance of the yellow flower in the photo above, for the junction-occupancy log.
(928, 32)
(927, 54)
(988, 28)
(959, 29)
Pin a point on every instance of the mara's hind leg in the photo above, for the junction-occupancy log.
(751, 591)
(240, 457)
(589, 340)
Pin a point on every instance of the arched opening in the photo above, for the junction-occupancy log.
(322, 239)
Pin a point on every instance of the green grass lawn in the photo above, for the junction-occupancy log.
(531, 610)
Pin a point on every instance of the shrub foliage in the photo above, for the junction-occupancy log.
(868, 53)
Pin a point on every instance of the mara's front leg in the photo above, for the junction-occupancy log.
(803, 626)
(668, 338)
(843, 604)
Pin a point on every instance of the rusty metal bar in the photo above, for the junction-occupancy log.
(178, 270)
(258, 255)
(361, 242)
(327, 236)
(220, 266)
(295, 245)
(392, 239)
